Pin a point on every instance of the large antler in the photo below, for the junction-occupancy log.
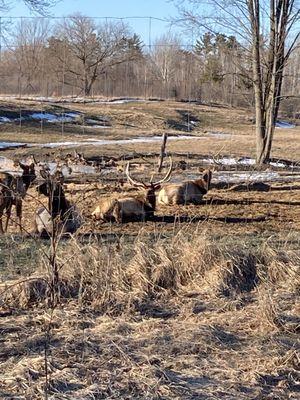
(144, 185)
(167, 176)
(133, 181)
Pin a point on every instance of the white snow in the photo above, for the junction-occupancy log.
(233, 177)
(4, 120)
(229, 161)
(278, 164)
(284, 125)
(239, 161)
(4, 145)
(73, 170)
(97, 126)
(218, 134)
(65, 117)
(71, 99)
(248, 176)
(103, 142)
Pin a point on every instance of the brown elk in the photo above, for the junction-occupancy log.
(61, 216)
(12, 192)
(140, 207)
(187, 192)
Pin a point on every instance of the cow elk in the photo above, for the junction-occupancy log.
(140, 207)
(12, 192)
(187, 192)
(60, 216)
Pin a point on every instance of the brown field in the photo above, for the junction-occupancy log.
(201, 303)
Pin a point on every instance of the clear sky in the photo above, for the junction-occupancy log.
(162, 9)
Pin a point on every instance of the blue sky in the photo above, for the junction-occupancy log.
(114, 8)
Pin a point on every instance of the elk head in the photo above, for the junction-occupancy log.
(207, 178)
(52, 188)
(28, 175)
(150, 188)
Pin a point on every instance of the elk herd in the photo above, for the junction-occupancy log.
(61, 214)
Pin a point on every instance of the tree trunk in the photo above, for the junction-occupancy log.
(268, 88)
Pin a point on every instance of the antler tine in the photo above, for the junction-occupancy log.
(131, 180)
(167, 176)
(34, 159)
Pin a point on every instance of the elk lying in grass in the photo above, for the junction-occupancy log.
(140, 207)
(12, 192)
(187, 192)
(61, 216)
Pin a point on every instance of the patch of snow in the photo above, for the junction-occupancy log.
(248, 176)
(5, 145)
(218, 134)
(56, 144)
(233, 177)
(92, 121)
(103, 142)
(284, 125)
(43, 116)
(66, 117)
(278, 164)
(97, 126)
(246, 161)
(230, 161)
(4, 120)
(73, 170)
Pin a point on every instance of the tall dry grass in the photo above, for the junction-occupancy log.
(191, 316)
(115, 277)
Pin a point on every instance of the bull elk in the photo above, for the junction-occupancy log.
(12, 192)
(140, 207)
(187, 192)
(61, 215)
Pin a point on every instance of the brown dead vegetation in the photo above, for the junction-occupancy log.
(189, 317)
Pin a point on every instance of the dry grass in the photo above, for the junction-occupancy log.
(147, 119)
(190, 317)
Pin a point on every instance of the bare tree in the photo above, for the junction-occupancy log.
(29, 47)
(37, 5)
(164, 58)
(268, 31)
(86, 50)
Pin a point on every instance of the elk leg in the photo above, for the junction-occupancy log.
(19, 214)
(1, 225)
(8, 214)
(117, 213)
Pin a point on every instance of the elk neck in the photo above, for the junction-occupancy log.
(57, 202)
(202, 185)
(150, 199)
(28, 177)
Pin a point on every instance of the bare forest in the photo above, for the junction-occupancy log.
(79, 56)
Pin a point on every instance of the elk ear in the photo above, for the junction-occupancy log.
(23, 166)
(44, 174)
(157, 187)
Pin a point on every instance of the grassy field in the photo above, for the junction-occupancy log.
(201, 303)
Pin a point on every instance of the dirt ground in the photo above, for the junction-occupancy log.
(200, 303)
